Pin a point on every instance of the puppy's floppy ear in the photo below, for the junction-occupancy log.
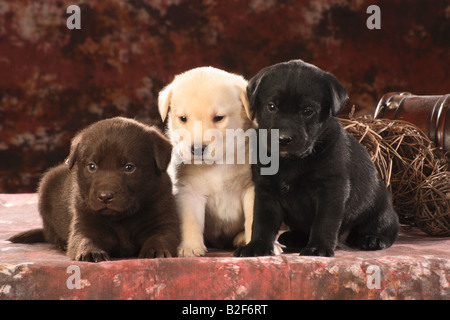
(252, 92)
(162, 149)
(338, 94)
(74, 151)
(164, 97)
(245, 102)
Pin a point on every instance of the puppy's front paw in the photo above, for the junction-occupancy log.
(239, 240)
(294, 239)
(278, 248)
(317, 251)
(97, 255)
(150, 253)
(254, 249)
(370, 242)
(186, 250)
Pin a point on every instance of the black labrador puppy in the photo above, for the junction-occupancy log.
(326, 185)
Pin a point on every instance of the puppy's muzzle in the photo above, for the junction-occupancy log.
(106, 196)
(198, 150)
(285, 139)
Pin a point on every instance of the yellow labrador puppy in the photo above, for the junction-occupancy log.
(210, 168)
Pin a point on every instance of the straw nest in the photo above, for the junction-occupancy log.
(416, 172)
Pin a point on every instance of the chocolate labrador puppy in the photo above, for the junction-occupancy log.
(112, 197)
(326, 185)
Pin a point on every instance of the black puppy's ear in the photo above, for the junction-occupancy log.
(162, 150)
(338, 93)
(252, 93)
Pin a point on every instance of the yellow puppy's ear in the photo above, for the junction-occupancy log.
(246, 104)
(164, 97)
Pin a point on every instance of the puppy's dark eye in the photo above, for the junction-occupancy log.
(129, 168)
(183, 119)
(218, 118)
(272, 107)
(92, 167)
(308, 111)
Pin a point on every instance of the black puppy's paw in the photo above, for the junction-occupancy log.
(93, 256)
(254, 249)
(370, 242)
(294, 239)
(317, 251)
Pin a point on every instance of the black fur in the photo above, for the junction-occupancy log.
(326, 185)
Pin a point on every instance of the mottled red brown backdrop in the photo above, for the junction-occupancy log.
(54, 81)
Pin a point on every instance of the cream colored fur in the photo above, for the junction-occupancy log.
(215, 201)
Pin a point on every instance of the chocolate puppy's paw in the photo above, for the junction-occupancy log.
(150, 253)
(254, 249)
(317, 251)
(94, 255)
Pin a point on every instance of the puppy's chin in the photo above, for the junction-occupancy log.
(111, 210)
(107, 212)
(290, 155)
(185, 156)
(296, 154)
(204, 160)
(191, 159)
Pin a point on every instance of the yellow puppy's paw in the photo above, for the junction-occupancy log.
(239, 240)
(185, 250)
(278, 248)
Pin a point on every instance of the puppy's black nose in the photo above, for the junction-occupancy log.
(106, 196)
(285, 139)
(198, 150)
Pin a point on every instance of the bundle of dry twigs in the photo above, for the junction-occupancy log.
(410, 165)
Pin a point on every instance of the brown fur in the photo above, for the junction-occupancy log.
(123, 207)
